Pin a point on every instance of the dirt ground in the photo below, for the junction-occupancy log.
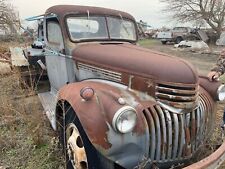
(203, 62)
(26, 138)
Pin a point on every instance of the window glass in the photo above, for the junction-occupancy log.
(121, 29)
(96, 27)
(87, 28)
(180, 29)
(54, 32)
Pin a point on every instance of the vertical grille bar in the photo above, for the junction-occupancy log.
(209, 116)
(187, 134)
(152, 133)
(202, 129)
(193, 130)
(198, 127)
(181, 136)
(175, 135)
(163, 132)
(158, 133)
(169, 134)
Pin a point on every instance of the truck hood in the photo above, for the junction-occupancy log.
(135, 60)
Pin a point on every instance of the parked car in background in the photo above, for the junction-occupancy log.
(176, 35)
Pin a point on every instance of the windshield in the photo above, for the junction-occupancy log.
(121, 29)
(100, 28)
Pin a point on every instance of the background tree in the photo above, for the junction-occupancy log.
(9, 18)
(211, 11)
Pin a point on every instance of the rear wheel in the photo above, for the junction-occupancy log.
(178, 40)
(164, 42)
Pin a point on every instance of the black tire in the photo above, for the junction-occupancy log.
(178, 39)
(192, 37)
(33, 46)
(93, 157)
(164, 42)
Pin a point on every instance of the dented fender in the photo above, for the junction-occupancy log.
(96, 117)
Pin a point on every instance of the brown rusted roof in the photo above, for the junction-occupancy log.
(62, 10)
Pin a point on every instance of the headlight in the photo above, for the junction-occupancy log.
(125, 119)
(221, 93)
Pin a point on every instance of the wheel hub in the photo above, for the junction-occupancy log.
(75, 148)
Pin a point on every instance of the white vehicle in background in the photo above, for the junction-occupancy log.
(176, 35)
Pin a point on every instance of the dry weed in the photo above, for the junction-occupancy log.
(25, 135)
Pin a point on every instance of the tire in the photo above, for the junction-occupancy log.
(33, 46)
(164, 42)
(178, 40)
(92, 156)
(192, 37)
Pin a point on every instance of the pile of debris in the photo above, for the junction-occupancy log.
(194, 46)
(221, 40)
(5, 61)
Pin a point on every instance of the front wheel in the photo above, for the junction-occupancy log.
(78, 151)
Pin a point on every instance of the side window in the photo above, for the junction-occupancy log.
(54, 34)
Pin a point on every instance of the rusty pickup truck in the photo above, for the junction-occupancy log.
(116, 105)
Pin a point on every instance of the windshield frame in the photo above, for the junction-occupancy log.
(108, 39)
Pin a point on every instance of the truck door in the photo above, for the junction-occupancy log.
(56, 65)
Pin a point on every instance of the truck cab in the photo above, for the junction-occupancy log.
(115, 104)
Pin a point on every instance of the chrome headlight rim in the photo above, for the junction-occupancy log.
(117, 116)
(221, 92)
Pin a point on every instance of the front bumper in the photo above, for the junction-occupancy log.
(211, 162)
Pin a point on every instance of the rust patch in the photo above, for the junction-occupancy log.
(143, 84)
(125, 78)
(93, 122)
(193, 130)
(187, 151)
(94, 114)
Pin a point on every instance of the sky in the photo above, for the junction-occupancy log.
(149, 11)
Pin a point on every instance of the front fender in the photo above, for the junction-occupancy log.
(95, 115)
(210, 87)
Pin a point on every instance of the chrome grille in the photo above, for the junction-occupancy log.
(100, 72)
(176, 136)
(180, 96)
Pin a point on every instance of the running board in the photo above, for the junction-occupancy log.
(48, 101)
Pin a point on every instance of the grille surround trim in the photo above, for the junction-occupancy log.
(179, 135)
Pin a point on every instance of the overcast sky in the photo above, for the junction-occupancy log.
(147, 10)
